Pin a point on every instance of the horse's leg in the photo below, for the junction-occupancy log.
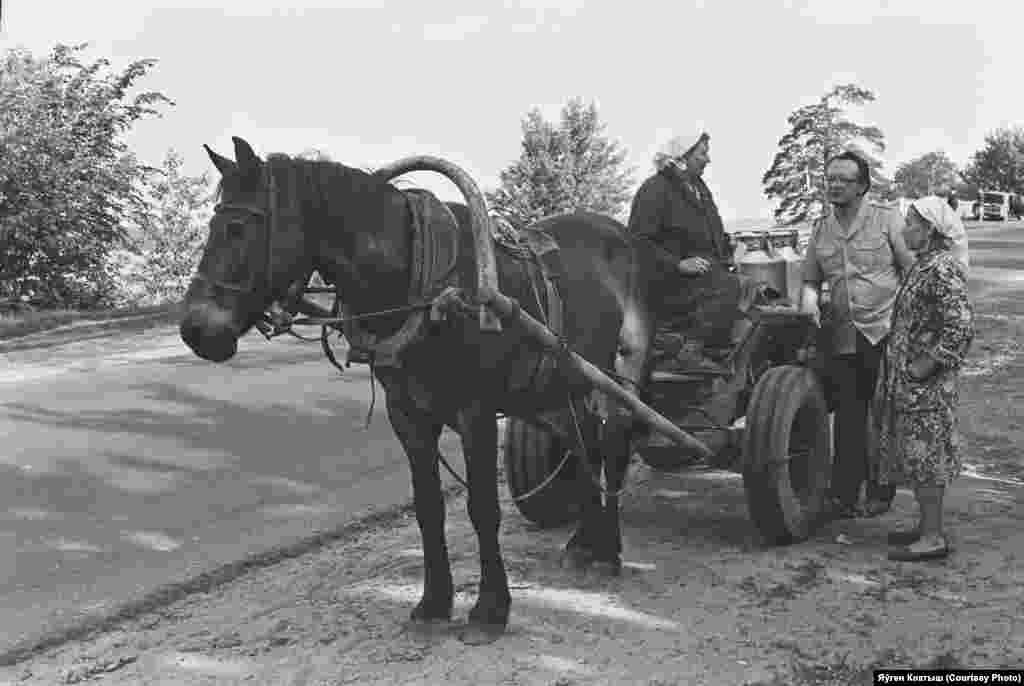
(581, 550)
(615, 449)
(419, 433)
(616, 443)
(489, 616)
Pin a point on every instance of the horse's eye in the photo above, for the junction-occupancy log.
(235, 230)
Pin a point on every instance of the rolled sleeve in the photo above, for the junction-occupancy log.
(903, 258)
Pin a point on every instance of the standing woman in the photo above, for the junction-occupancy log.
(917, 393)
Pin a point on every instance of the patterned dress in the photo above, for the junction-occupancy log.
(917, 438)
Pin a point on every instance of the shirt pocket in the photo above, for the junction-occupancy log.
(871, 252)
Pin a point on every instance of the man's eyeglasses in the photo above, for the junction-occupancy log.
(840, 180)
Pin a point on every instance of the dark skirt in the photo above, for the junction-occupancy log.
(697, 312)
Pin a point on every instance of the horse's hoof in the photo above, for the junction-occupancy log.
(429, 613)
(479, 634)
(608, 568)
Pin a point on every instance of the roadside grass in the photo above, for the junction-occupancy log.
(25, 323)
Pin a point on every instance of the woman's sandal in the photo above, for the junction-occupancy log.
(905, 554)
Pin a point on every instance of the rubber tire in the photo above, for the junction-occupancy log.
(786, 497)
(531, 454)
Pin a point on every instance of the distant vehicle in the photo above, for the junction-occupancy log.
(969, 209)
(995, 205)
(1017, 206)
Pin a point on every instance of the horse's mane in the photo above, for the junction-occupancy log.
(310, 184)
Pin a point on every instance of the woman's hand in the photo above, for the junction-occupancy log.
(693, 266)
(922, 367)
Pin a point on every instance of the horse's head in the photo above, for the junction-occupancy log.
(252, 253)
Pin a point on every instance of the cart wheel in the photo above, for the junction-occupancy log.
(531, 455)
(787, 456)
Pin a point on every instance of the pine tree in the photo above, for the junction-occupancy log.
(818, 132)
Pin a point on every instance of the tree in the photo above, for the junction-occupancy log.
(930, 173)
(999, 165)
(817, 132)
(567, 167)
(67, 179)
(167, 241)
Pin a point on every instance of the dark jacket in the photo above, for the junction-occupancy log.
(677, 221)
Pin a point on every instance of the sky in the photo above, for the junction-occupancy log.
(371, 82)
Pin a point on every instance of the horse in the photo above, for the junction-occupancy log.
(280, 218)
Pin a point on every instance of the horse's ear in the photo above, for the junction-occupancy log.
(223, 164)
(248, 162)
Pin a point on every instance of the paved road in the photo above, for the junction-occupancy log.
(128, 463)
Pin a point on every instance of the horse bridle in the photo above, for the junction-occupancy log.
(270, 218)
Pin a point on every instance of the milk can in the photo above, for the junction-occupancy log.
(784, 242)
(744, 242)
(762, 264)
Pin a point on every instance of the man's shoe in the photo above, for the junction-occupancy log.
(903, 537)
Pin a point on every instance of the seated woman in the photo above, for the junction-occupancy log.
(696, 290)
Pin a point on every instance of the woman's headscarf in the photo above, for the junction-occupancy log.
(676, 148)
(945, 220)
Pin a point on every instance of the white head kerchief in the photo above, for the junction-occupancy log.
(675, 149)
(944, 219)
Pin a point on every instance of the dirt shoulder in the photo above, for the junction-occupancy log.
(46, 330)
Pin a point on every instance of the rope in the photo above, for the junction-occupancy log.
(547, 480)
(333, 321)
(451, 470)
(594, 478)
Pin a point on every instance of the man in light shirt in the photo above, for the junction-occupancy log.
(858, 249)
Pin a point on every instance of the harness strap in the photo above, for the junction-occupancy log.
(434, 261)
